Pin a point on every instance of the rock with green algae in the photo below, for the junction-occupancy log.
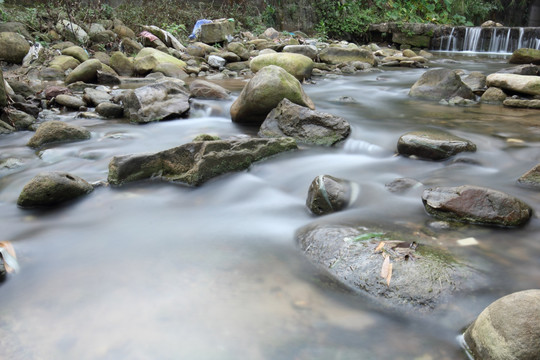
(421, 276)
(57, 131)
(476, 205)
(52, 188)
(508, 329)
(196, 162)
(264, 92)
(433, 144)
(85, 72)
(525, 56)
(298, 65)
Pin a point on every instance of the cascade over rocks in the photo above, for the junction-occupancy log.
(508, 329)
(196, 162)
(438, 84)
(476, 205)
(432, 144)
(156, 102)
(52, 188)
(421, 277)
(264, 92)
(304, 125)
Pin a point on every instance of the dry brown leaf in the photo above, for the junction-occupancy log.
(386, 270)
(11, 251)
(380, 246)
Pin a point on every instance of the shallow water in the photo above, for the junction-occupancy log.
(164, 271)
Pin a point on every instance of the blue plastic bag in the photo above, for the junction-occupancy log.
(197, 28)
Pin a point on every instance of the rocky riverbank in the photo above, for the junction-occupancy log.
(401, 269)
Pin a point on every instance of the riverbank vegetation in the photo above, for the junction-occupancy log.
(340, 19)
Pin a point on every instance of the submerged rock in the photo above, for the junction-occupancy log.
(432, 144)
(156, 102)
(437, 84)
(531, 178)
(196, 162)
(522, 103)
(508, 329)
(416, 275)
(264, 92)
(305, 125)
(476, 205)
(52, 188)
(328, 194)
(57, 131)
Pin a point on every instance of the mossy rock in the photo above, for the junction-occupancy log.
(85, 72)
(57, 131)
(298, 65)
(77, 52)
(525, 56)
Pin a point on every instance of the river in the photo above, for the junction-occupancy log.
(157, 270)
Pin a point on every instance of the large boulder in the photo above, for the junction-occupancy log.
(298, 65)
(52, 188)
(508, 329)
(217, 31)
(476, 205)
(72, 31)
(57, 131)
(397, 267)
(196, 162)
(310, 51)
(156, 102)
(525, 56)
(77, 52)
(203, 89)
(85, 72)
(153, 57)
(264, 92)
(437, 84)
(524, 84)
(304, 125)
(432, 144)
(338, 55)
(122, 64)
(328, 194)
(16, 27)
(64, 62)
(475, 80)
(13, 47)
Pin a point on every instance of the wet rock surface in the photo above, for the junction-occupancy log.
(437, 84)
(328, 194)
(264, 92)
(196, 162)
(524, 84)
(508, 329)
(304, 125)
(531, 178)
(298, 65)
(57, 131)
(433, 144)
(421, 276)
(207, 90)
(476, 205)
(52, 188)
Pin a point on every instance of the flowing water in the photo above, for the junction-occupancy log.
(163, 271)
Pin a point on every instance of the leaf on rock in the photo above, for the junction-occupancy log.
(380, 246)
(386, 270)
(10, 258)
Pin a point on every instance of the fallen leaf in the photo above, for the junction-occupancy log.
(10, 258)
(470, 241)
(380, 246)
(385, 266)
(389, 275)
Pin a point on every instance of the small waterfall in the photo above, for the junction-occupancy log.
(489, 39)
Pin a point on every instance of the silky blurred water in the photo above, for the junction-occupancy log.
(163, 271)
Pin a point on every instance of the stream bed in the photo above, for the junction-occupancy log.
(156, 270)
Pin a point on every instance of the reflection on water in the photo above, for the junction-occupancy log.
(164, 271)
